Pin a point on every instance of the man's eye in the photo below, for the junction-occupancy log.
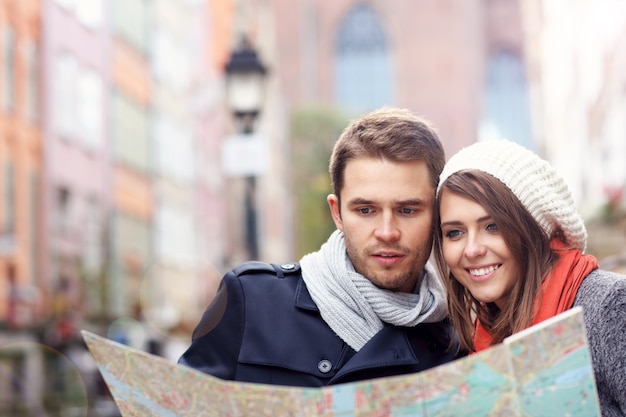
(365, 210)
(407, 211)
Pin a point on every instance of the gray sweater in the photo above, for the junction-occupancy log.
(602, 296)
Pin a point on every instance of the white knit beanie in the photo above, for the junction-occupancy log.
(537, 185)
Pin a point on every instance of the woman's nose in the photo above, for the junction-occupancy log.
(474, 247)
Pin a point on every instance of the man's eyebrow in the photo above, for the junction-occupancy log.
(360, 201)
(409, 202)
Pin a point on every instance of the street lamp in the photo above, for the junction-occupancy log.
(245, 85)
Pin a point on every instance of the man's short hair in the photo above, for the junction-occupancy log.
(394, 134)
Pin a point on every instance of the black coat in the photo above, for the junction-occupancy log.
(264, 327)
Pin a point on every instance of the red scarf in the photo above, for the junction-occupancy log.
(557, 291)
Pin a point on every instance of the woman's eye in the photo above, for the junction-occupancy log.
(451, 234)
(492, 227)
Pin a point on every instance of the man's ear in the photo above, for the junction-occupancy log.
(335, 210)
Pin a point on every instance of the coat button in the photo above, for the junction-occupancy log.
(325, 366)
(288, 267)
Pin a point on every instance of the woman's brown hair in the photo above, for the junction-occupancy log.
(526, 240)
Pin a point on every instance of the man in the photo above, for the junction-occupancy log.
(366, 305)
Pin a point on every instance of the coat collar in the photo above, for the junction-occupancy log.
(303, 297)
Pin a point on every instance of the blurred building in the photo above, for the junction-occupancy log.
(77, 171)
(22, 301)
(520, 69)
(114, 201)
(458, 63)
(112, 212)
(577, 79)
(131, 121)
(186, 187)
(255, 21)
(20, 163)
(114, 117)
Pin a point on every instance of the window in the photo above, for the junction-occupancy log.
(174, 229)
(64, 96)
(363, 69)
(90, 107)
(174, 149)
(130, 20)
(93, 256)
(132, 255)
(8, 70)
(33, 214)
(78, 97)
(66, 4)
(93, 232)
(9, 197)
(507, 107)
(32, 82)
(171, 60)
(130, 132)
(88, 12)
(63, 206)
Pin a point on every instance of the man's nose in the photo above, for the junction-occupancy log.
(388, 228)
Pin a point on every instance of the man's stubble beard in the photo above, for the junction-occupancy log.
(409, 273)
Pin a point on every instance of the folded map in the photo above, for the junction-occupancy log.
(543, 371)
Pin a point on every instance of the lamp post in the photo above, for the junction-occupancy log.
(245, 79)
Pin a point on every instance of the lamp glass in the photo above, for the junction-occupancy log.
(244, 92)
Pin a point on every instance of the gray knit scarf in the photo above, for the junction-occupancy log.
(354, 307)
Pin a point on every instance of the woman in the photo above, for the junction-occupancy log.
(511, 246)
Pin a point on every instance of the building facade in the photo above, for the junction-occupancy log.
(111, 217)
(518, 69)
(577, 74)
(23, 299)
(116, 212)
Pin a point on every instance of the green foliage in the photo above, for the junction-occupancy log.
(612, 211)
(314, 131)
